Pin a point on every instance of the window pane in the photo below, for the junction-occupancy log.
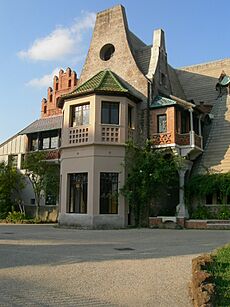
(114, 112)
(54, 142)
(162, 123)
(85, 115)
(110, 113)
(34, 144)
(130, 117)
(105, 110)
(78, 189)
(80, 115)
(108, 193)
(45, 143)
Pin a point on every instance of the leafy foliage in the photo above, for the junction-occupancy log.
(220, 269)
(15, 217)
(147, 170)
(11, 183)
(223, 213)
(201, 185)
(44, 176)
(204, 213)
(201, 213)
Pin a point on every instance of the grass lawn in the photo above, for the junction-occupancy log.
(220, 269)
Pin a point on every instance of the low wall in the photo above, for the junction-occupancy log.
(177, 222)
(166, 222)
(196, 224)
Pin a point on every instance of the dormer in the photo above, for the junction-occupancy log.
(102, 110)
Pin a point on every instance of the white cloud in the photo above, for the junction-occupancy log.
(63, 41)
(45, 81)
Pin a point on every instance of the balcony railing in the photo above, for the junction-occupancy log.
(182, 139)
(185, 139)
(162, 139)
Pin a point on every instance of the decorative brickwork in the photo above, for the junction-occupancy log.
(161, 139)
(183, 139)
(65, 83)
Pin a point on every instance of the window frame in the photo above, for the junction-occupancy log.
(107, 106)
(159, 130)
(108, 196)
(130, 116)
(79, 207)
(73, 116)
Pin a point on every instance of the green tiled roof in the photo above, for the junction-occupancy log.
(104, 81)
(160, 101)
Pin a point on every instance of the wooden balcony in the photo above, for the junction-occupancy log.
(187, 143)
(161, 139)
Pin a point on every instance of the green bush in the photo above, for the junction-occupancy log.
(224, 213)
(201, 213)
(220, 269)
(15, 217)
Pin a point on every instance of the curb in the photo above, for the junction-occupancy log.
(202, 286)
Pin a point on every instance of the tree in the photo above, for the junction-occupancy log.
(43, 175)
(11, 183)
(147, 170)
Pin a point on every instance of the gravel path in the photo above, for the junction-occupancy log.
(44, 266)
(146, 282)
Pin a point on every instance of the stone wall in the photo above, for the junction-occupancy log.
(46, 213)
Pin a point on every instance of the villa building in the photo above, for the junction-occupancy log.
(126, 91)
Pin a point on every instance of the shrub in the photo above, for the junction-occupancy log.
(15, 217)
(223, 214)
(201, 213)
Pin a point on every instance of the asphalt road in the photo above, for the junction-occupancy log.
(41, 265)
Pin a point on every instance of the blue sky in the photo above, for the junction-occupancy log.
(38, 37)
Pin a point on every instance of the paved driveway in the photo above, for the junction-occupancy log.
(41, 265)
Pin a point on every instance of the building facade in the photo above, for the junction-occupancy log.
(126, 91)
(43, 134)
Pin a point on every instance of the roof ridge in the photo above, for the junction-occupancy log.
(87, 81)
(103, 77)
(117, 82)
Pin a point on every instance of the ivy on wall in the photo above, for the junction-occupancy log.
(201, 185)
(147, 170)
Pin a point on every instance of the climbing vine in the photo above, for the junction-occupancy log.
(201, 185)
(147, 170)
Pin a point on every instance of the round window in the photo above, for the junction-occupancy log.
(107, 52)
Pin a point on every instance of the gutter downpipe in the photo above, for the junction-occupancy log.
(149, 90)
